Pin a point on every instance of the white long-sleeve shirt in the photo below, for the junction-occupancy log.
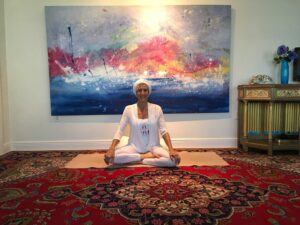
(156, 124)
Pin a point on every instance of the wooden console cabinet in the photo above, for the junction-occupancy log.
(266, 113)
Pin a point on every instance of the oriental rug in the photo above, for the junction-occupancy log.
(252, 189)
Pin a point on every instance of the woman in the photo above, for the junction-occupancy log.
(146, 122)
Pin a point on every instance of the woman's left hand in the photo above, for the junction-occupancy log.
(175, 156)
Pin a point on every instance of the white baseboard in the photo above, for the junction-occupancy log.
(204, 142)
(104, 144)
(60, 145)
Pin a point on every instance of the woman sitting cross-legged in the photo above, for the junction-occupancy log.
(146, 122)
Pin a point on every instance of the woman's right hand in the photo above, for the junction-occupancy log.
(109, 156)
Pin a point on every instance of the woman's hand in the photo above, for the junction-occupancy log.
(109, 156)
(175, 156)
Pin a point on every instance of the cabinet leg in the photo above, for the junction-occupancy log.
(270, 151)
(245, 148)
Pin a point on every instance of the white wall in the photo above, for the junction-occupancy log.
(1, 65)
(258, 27)
(4, 125)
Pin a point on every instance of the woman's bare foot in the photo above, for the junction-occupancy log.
(147, 155)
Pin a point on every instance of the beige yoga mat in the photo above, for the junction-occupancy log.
(95, 160)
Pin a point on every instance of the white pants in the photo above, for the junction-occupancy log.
(128, 154)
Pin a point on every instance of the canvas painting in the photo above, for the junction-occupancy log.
(96, 53)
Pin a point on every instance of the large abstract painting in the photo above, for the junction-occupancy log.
(96, 53)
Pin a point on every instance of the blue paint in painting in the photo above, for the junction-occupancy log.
(82, 95)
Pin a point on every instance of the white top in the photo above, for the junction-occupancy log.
(144, 130)
(156, 125)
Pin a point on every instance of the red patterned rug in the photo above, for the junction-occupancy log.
(35, 189)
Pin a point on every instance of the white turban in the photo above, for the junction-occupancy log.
(141, 81)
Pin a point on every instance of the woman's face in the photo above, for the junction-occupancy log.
(142, 93)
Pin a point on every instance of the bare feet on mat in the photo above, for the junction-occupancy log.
(148, 155)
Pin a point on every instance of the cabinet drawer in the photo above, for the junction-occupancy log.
(255, 93)
(281, 93)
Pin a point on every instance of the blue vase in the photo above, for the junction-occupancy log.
(284, 72)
